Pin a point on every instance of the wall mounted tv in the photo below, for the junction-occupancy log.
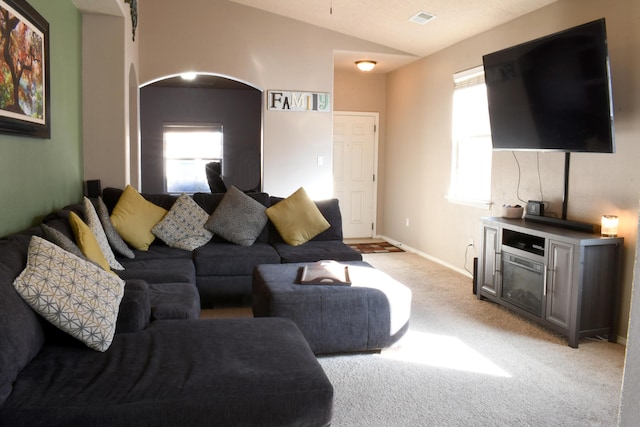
(552, 93)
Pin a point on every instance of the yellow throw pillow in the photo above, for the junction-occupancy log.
(297, 218)
(133, 217)
(87, 242)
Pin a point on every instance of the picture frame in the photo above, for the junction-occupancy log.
(24, 71)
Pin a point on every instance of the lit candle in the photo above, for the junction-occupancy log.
(609, 226)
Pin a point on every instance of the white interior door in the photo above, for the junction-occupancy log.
(354, 154)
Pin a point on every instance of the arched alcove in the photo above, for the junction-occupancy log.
(208, 99)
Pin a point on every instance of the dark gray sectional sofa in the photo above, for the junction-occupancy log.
(165, 366)
(223, 270)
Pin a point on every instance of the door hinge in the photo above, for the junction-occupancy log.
(371, 226)
(374, 177)
(375, 128)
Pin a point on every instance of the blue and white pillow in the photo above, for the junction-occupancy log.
(183, 226)
(76, 296)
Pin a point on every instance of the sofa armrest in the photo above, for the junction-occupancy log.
(135, 307)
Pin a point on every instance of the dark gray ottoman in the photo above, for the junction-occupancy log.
(371, 314)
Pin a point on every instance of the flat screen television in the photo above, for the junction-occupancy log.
(552, 93)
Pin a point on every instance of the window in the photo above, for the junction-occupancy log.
(471, 140)
(187, 150)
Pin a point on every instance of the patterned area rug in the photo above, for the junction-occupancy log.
(375, 248)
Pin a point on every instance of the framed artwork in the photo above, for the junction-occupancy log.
(24, 71)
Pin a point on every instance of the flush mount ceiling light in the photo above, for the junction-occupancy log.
(422, 18)
(189, 76)
(365, 65)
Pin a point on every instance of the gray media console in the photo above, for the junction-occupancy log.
(566, 280)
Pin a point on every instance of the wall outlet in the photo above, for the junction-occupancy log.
(406, 222)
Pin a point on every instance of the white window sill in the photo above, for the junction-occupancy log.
(480, 204)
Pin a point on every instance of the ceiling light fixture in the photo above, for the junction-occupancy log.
(422, 18)
(189, 76)
(366, 65)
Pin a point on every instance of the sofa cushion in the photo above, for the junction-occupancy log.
(21, 333)
(134, 217)
(228, 259)
(74, 295)
(179, 373)
(183, 226)
(116, 242)
(92, 220)
(316, 251)
(174, 301)
(135, 308)
(297, 218)
(238, 218)
(156, 252)
(179, 270)
(87, 242)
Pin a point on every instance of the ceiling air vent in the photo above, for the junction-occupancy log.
(422, 18)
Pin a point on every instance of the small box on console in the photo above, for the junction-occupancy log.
(535, 207)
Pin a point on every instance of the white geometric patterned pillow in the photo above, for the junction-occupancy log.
(76, 296)
(95, 225)
(183, 226)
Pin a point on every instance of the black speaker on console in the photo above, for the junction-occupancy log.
(93, 188)
(475, 275)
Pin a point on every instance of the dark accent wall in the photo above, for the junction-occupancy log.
(239, 111)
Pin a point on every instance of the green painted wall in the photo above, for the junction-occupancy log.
(40, 175)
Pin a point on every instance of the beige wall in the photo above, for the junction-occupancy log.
(266, 51)
(418, 143)
(109, 59)
(365, 92)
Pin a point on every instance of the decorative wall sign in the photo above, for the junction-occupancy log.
(24, 70)
(283, 100)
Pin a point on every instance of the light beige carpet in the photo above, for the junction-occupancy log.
(466, 362)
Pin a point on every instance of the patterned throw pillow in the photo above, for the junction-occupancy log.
(113, 237)
(96, 228)
(134, 217)
(297, 218)
(183, 226)
(238, 218)
(76, 296)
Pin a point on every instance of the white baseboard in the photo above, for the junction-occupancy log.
(427, 256)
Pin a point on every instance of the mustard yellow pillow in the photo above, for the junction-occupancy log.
(87, 242)
(133, 217)
(297, 218)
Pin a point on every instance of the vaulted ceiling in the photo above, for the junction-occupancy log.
(387, 22)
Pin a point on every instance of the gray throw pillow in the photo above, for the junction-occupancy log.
(92, 220)
(58, 238)
(116, 242)
(238, 218)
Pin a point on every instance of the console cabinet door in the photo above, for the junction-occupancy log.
(490, 267)
(559, 283)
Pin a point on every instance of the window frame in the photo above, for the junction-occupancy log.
(463, 80)
(187, 128)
